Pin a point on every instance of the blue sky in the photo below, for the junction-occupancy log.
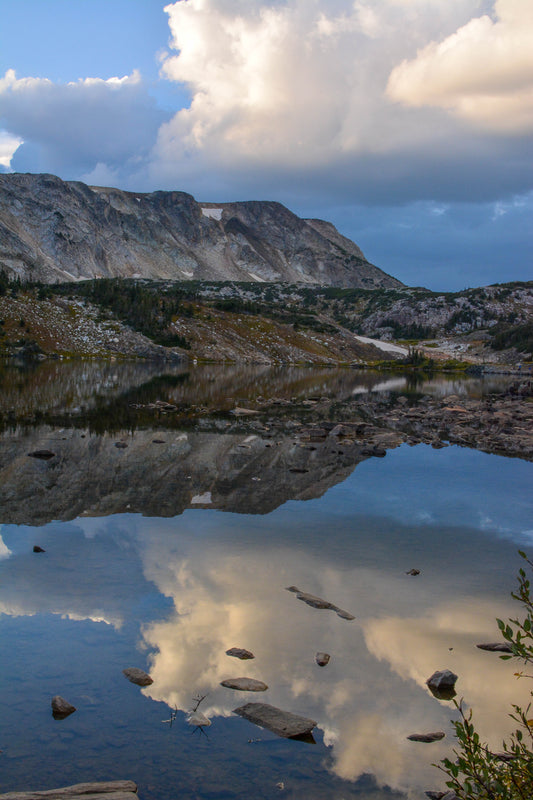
(407, 123)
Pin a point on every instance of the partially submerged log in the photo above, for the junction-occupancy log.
(319, 602)
(98, 790)
(282, 723)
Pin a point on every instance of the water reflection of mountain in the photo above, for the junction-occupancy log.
(161, 473)
(68, 390)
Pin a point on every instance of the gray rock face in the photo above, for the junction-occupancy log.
(61, 708)
(52, 230)
(282, 723)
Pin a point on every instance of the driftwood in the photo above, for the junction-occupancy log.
(99, 790)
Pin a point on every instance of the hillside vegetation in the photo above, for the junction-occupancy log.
(259, 321)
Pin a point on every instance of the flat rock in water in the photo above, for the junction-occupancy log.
(244, 685)
(37, 549)
(496, 647)
(110, 790)
(61, 708)
(239, 652)
(413, 572)
(282, 723)
(427, 737)
(318, 602)
(322, 659)
(138, 676)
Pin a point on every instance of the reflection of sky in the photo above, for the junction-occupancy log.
(188, 588)
(460, 487)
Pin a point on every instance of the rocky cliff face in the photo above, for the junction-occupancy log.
(52, 231)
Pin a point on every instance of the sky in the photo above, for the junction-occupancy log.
(406, 123)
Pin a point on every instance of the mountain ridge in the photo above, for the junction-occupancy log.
(53, 231)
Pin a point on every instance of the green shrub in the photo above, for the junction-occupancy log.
(477, 772)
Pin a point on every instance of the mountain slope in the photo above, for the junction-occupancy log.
(53, 230)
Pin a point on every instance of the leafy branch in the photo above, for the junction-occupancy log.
(477, 772)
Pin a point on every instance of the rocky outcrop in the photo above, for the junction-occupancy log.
(53, 230)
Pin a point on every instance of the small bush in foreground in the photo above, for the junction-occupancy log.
(477, 773)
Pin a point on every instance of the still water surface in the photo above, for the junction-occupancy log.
(171, 595)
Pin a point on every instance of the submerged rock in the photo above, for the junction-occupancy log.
(318, 602)
(137, 676)
(427, 737)
(496, 647)
(282, 723)
(322, 659)
(239, 652)
(244, 685)
(61, 708)
(198, 719)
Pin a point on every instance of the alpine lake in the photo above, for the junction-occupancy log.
(175, 507)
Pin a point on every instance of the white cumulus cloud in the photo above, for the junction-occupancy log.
(483, 72)
(8, 146)
(299, 82)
